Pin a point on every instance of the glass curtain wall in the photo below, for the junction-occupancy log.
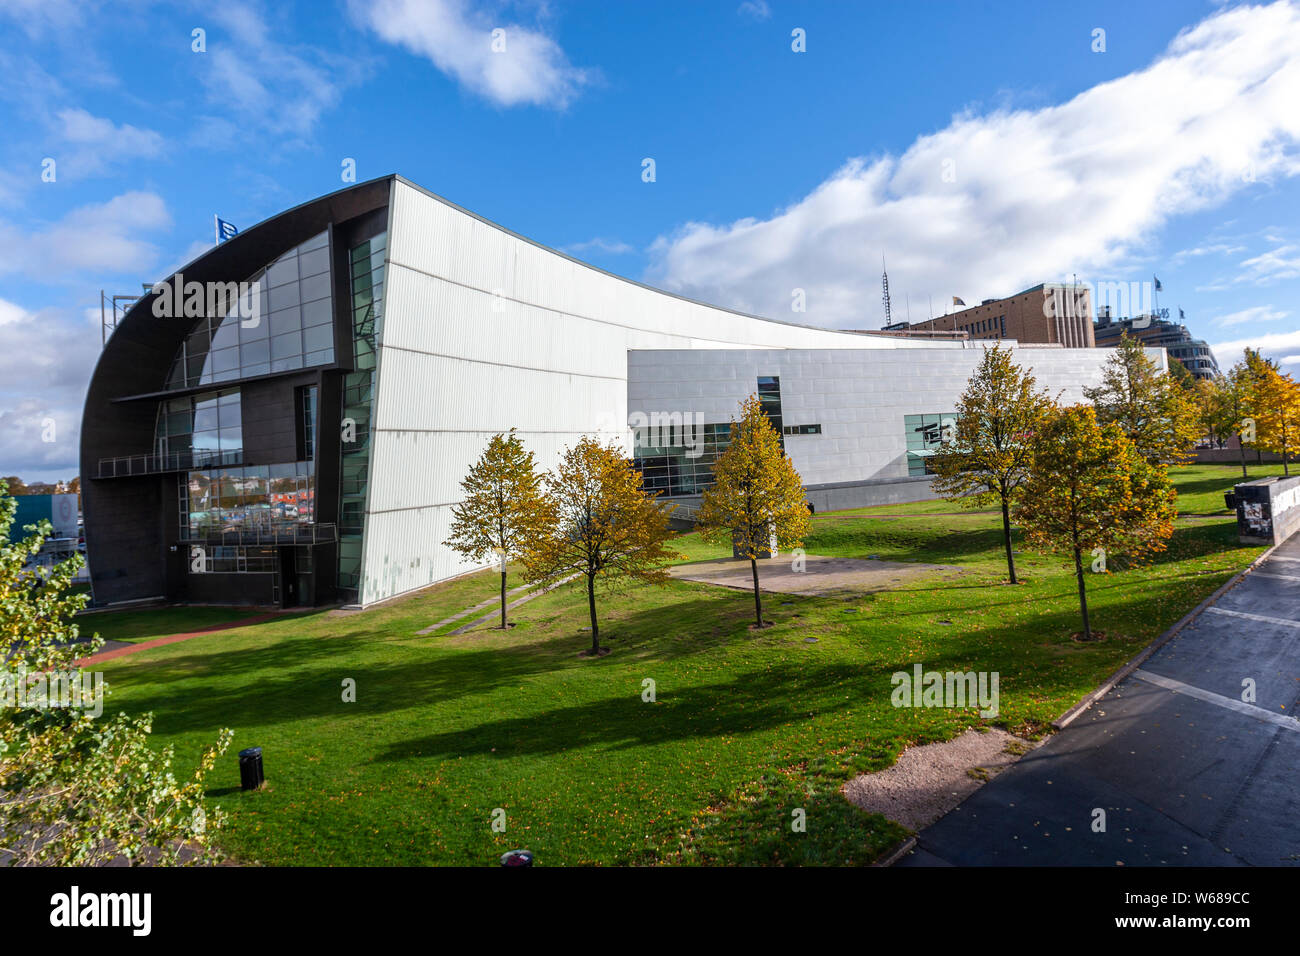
(366, 262)
(293, 328)
(200, 430)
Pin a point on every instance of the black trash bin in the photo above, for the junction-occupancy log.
(1230, 500)
(250, 768)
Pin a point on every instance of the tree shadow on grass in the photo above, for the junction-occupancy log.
(749, 702)
(267, 685)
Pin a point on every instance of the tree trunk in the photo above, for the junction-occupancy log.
(1006, 539)
(1083, 594)
(1241, 446)
(591, 608)
(503, 600)
(758, 600)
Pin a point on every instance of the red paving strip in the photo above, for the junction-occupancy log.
(172, 639)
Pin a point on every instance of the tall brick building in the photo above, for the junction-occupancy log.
(1047, 314)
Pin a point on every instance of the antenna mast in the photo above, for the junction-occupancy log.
(884, 296)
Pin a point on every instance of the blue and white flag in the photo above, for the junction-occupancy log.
(1159, 287)
(225, 230)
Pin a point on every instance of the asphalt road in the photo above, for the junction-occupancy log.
(1186, 773)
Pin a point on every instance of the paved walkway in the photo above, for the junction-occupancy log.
(122, 648)
(1186, 772)
(819, 575)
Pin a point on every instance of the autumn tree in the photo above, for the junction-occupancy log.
(78, 788)
(600, 523)
(1152, 409)
(1233, 411)
(986, 457)
(503, 506)
(1211, 409)
(756, 499)
(1090, 490)
(1277, 419)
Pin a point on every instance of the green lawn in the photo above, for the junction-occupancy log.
(745, 728)
(149, 623)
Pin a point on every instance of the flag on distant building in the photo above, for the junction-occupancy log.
(1159, 287)
(1181, 316)
(225, 230)
(957, 301)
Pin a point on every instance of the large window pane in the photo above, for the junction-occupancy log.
(211, 352)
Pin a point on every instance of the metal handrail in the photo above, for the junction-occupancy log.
(127, 466)
(301, 534)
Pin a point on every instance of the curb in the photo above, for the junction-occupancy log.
(897, 853)
(1060, 723)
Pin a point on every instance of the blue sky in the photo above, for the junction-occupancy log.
(980, 148)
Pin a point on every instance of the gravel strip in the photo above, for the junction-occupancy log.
(928, 781)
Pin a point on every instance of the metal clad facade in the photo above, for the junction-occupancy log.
(485, 331)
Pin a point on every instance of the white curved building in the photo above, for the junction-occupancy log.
(443, 329)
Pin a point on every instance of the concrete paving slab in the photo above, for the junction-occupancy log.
(1216, 653)
(821, 575)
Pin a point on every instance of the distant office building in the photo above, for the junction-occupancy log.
(62, 514)
(1048, 314)
(1156, 332)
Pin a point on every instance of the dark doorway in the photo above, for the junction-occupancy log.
(288, 578)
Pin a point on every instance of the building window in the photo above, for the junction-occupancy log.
(307, 423)
(201, 430)
(294, 326)
(925, 433)
(682, 469)
(802, 430)
(264, 499)
(226, 559)
(769, 397)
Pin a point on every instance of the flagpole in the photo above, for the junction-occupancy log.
(216, 228)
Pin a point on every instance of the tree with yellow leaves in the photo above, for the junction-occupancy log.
(1277, 419)
(1090, 490)
(756, 499)
(600, 523)
(988, 452)
(503, 506)
(1157, 414)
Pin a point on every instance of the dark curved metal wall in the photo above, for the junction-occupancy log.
(132, 523)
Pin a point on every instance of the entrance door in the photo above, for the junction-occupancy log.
(288, 579)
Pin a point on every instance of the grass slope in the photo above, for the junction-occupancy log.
(745, 727)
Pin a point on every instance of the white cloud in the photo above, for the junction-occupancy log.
(45, 362)
(268, 86)
(95, 143)
(757, 9)
(101, 237)
(532, 69)
(1259, 313)
(1282, 262)
(11, 313)
(1282, 346)
(997, 202)
(36, 17)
